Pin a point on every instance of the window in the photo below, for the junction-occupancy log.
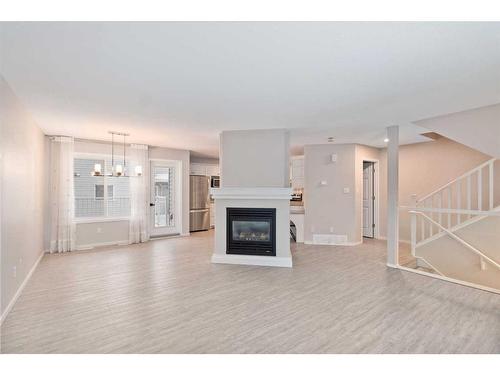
(91, 199)
(99, 191)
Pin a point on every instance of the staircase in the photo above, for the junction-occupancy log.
(455, 230)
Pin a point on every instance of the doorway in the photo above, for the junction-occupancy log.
(369, 199)
(165, 198)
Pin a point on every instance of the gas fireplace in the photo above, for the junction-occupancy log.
(251, 231)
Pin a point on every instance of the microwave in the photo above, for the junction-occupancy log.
(214, 181)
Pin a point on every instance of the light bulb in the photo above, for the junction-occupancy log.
(97, 169)
(118, 169)
(138, 170)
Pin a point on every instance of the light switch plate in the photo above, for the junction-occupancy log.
(347, 190)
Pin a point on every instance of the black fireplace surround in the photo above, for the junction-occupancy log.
(251, 231)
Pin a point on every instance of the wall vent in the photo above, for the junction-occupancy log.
(329, 239)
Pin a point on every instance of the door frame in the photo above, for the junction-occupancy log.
(177, 229)
(376, 202)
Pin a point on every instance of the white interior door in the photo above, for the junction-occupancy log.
(368, 199)
(165, 198)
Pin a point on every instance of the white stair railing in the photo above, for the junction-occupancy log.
(483, 258)
(465, 193)
(454, 206)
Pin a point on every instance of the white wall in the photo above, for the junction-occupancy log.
(328, 210)
(477, 128)
(254, 158)
(24, 192)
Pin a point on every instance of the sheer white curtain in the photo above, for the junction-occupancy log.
(62, 229)
(139, 194)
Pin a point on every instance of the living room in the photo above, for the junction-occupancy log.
(250, 187)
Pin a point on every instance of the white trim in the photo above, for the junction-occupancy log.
(178, 196)
(459, 239)
(334, 244)
(445, 278)
(164, 236)
(101, 244)
(90, 220)
(493, 212)
(455, 228)
(20, 289)
(251, 193)
(376, 204)
(392, 231)
(252, 260)
(466, 174)
(383, 238)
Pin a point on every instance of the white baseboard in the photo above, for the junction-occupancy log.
(100, 244)
(445, 278)
(385, 239)
(252, 260)
(332, 244)
(20, 289)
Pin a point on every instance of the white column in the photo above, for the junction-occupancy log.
(392, 196)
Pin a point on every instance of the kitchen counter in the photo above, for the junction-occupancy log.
(297, 217)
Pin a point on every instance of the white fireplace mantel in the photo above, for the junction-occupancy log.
(251, 193)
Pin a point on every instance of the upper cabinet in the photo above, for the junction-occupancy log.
(213, 170)
(204, 169)
(297, 172)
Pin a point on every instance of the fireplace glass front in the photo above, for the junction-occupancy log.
(251, 231)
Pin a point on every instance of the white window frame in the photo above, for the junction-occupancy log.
(105, 218)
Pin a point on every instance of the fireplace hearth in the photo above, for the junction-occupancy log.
(251, 231)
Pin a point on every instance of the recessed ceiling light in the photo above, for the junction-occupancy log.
(331, 139)
(386, 140)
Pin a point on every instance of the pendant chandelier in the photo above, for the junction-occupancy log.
(118, 169)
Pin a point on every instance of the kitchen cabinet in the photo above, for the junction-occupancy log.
(297, 172)
(204, 169)
(212, 170)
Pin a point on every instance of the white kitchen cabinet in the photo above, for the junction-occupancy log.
(204, 169)
(198, 169)
(297, 172)
(212, 170)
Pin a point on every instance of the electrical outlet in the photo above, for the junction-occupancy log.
(14, 271)
(331, 229)
(21, 260)
(347, 190)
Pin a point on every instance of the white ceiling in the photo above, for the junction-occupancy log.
(180, 84)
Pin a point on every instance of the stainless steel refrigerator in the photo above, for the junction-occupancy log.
(199, 203)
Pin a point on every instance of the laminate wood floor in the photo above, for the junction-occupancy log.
(166, 297)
